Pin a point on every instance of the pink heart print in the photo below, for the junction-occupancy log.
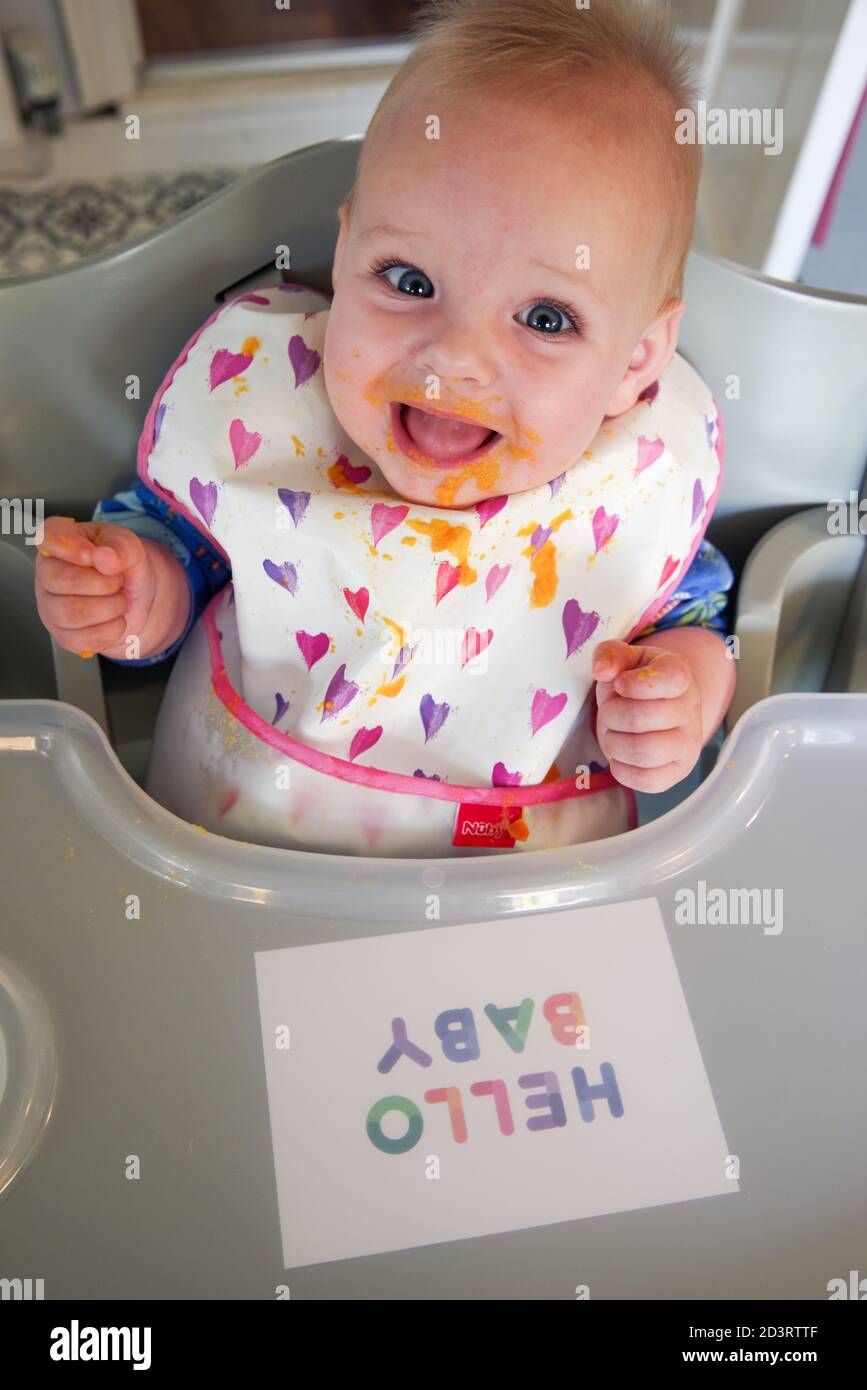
(668, 570)
(204, 498)
(225, 365)
(447, 577)
(502, 777)
(649, 450)
(475, 643)
(545, 708)
(495, 576)
(489, 508)
(353, 473)
(312, 647)
(244, 442)
(384, 519)
(305, 361)
(358, 602)
(363, 740)
(578, 626)
(604, 527)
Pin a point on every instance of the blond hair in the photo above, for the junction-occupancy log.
(541, 50)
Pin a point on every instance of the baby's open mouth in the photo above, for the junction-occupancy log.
(441, 440)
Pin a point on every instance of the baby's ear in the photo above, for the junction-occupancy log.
(652, 355)
(343, 214)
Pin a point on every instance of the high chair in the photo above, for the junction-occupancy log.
(122, 1035)
(786, 364)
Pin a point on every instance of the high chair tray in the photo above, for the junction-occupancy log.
(146, 1039)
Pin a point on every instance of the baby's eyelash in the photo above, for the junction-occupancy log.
(379, 266)
(569, 312)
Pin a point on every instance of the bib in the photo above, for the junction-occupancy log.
(390, 678)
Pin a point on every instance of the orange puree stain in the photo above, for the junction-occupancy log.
(250, 347)
(391, 688)
(299, 447)
(544, 568)
(455, 539)
(543, 565)
(486, 472)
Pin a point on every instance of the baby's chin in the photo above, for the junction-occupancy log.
(446, 488)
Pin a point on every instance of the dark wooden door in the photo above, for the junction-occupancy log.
(202, 26)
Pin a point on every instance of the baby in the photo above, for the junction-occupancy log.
(506, 294)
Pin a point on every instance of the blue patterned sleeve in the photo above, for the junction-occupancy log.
(702, 598)
(142, 511)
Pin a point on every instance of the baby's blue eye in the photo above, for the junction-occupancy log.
(554, 315)
(408, 282)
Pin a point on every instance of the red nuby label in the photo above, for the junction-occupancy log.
(485, 827)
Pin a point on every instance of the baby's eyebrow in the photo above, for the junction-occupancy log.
(386, 229)
(582, 282)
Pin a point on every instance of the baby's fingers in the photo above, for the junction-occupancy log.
(60, 577)
(74, 612)
(87, 641)
(65, 539)
(654, 749)
(641, 716)
(663, 678)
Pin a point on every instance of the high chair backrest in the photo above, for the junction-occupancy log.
(788, 367)
(85, 348)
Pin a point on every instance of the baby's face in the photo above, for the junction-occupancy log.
(485, 314)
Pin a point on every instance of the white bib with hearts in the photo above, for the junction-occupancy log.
(387, 678)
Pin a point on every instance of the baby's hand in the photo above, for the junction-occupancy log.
(649, 722)
(94, 583)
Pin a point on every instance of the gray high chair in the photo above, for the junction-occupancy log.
(124, 1036)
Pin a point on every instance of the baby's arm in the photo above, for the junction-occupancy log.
(661, 698)
(711, 664)
(139, 509)
(101, 588)
(167, 567)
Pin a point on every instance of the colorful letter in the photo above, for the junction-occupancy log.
(456, 1030)
(556, 1117)
(374, 1126)
(452, 1095)
(606, 1091)
(497, 1089)
(565, 1014)
(402, 1047)
(513, 1023)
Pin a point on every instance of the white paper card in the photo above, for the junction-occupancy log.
(544, 1069)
